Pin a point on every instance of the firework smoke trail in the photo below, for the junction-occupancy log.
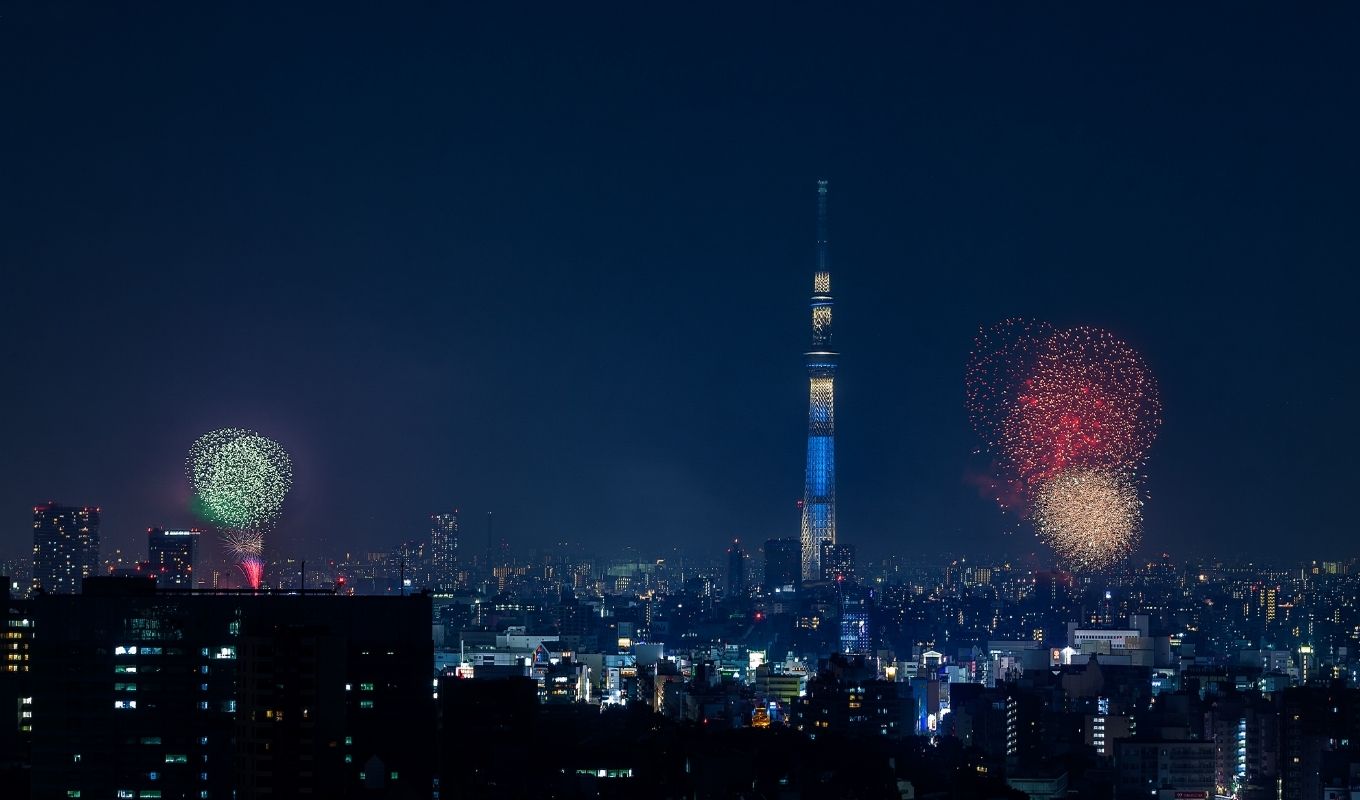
(240, 480)
(1069, 416)
(1091, 517)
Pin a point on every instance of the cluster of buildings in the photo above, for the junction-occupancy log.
(1176, 680)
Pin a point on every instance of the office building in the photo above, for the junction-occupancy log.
(856, 632)
(783, 565)
(171, 556)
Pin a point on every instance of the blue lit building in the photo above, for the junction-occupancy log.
(856, 632)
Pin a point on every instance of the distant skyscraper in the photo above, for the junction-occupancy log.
(783, 565)
(838, 562)
(171, 555)
(65, 547)
(444, 551)
(819, 487)
(736, 570)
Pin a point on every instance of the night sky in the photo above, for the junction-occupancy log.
(555, 263)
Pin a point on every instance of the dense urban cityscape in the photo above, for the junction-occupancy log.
(462, 666)
(761, 401)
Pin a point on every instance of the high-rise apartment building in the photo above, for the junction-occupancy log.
(444, 551)
(171, 556)
(65, 547)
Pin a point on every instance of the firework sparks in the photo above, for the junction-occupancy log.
(1092, 518)
(240, 477)
(243, 544)
(253, 570)
(240, 480)
(1045, 400)
(1069, 416)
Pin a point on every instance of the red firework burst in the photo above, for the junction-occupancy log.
(1046, 400)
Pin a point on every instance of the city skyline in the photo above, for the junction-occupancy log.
(586, 327)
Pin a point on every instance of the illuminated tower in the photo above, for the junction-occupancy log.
(819, 487)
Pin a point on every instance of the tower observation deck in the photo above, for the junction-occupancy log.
(819, 487)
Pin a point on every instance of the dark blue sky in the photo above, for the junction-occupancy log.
(554, 262)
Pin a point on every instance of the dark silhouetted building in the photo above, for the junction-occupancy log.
(145, 693)
(783, 565)
(65, 547)
(856, 634)
(736, 570)
(838, 562)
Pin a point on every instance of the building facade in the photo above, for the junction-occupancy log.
(171, 556)
(139, 692)
(65, 547)
(444, 551)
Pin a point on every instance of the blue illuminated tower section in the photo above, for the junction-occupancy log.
(819, 487)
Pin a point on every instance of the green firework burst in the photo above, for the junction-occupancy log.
(240, 478)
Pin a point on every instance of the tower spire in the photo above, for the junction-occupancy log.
(819, 486)
(823, 261)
